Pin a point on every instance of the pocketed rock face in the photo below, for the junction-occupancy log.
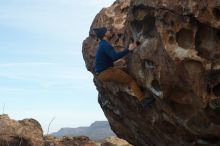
(27, 132)
(178, 62)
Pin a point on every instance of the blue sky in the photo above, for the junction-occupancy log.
(42, 72)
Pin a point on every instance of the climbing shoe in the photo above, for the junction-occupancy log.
(148, 101)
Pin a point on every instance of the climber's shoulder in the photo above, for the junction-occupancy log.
(104, 45)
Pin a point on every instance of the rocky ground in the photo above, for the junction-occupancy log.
(84, 141)
(28, 132)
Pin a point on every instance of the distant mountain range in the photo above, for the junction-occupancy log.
(98, 130)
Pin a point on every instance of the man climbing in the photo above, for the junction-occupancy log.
(105, 57)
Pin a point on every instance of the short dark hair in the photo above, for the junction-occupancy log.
(100, 32)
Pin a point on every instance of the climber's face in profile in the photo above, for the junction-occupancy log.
(108, 34)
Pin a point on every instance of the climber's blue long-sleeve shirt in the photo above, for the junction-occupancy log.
(106, 55)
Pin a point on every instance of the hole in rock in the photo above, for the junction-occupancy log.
(149, 26)
(218, 34)
(209, 139)
(213, 115)
(149, 64)
(209, 89)
(119, 35)
(171, 40)
(113, 35)
(172, 23)
(207, 42)
(137, 25)
(216, 90)
(213, 78)
(193, 67)
(117, 40)
(216, 12)
(185, 38)
(214, 75)
(156, 85)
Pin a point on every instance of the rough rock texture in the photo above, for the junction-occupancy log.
(27, 132)
(178, 62)
(83, 141)
(69, 141)
(114, 141)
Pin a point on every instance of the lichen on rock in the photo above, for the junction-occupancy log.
(178, 61)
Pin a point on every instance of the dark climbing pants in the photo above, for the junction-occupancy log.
(121, 77)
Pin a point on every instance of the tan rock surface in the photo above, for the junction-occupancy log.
(27, 132)
(114, 141)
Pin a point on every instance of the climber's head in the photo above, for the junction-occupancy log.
(102, 33)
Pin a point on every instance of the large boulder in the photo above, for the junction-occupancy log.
(178, 62)
(27, 132)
